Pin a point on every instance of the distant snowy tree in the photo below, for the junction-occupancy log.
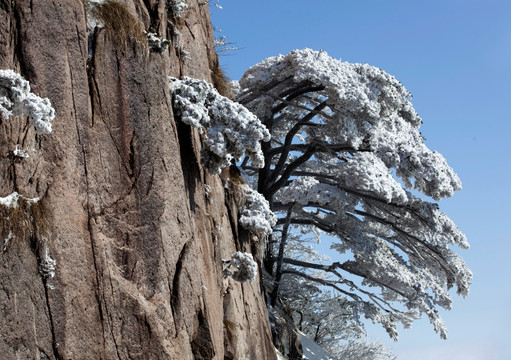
(361, 349)
(344, 156)
(326, 318)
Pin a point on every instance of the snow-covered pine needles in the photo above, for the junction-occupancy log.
(231, 131)
(17, 100)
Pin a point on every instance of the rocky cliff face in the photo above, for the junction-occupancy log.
(136, 227)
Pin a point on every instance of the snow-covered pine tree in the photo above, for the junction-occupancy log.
(345, 155)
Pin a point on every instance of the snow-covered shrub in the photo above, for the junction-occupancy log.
(156, 43)
(231, 130)
(17, 100)
(255, 213)
(242, 267)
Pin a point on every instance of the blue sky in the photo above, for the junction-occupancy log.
(455, 58)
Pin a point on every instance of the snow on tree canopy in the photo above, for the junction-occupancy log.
(231, 130)
(17, 100)
(342, 135)
(366, 109)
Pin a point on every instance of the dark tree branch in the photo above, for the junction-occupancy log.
(322, 147)
(294, 92)
(254, 94)
(322, 226)
(269, 191)
(352, 270)
(287, 144)
(282, 246)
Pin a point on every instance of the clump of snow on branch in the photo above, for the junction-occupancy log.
(231, 130)
(156, 43)
(223, 45)
(215, 3)
(17, 100)
(255, 213)
(367, 172)
(242, 267)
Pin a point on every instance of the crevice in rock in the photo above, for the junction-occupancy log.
(150, 185)
(154, 15)
(233, 221)
(93, 86)
(93, 94)
(35, 245)
(110, 321)
(202, 344)
(132, 160)
(174, 296)
(54, 342)
(25, 69)
(189, 163)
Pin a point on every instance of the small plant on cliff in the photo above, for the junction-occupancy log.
(241, 267)
(156, 43)
(20, 217)
(115, 17)
(177, 7)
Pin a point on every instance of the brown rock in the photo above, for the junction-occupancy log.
(138, 242)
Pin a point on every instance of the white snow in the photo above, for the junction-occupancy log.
(255, 213)
(178, 7)
(17, 100)
(7, 239)
(231, 130)
(21, 153)
(48, 265)
(312, 351)
(11, 200)
(242, 267)
(156, 43)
